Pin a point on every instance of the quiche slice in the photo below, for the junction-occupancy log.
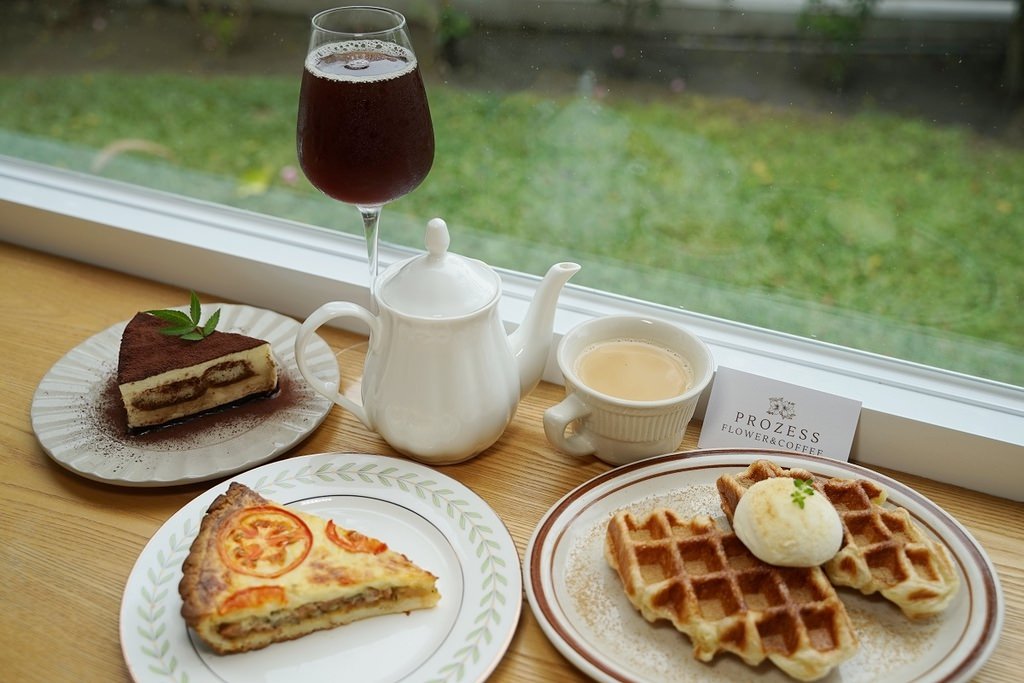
(259, 573)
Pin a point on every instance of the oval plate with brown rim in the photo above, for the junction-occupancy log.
(582, 608)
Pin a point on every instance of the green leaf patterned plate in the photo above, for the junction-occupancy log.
(433, 519)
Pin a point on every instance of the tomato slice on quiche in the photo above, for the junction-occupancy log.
(264, 541)
(353, 541)
(248, 598)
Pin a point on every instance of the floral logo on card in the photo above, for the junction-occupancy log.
(777, 405)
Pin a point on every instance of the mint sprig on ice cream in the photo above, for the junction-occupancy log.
(803, 489)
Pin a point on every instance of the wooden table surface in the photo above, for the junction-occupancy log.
(68, 544)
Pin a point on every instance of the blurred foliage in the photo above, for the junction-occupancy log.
(632, 10)
(839, 28)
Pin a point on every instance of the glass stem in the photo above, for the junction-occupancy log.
(371, 223)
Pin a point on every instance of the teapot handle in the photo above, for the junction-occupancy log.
(330, 311)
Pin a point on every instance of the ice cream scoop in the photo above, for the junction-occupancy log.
(785, 522)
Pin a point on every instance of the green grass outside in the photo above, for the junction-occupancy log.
(874, 231)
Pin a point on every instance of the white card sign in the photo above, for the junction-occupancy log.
(747, 410)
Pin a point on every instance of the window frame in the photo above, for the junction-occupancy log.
(921, 420)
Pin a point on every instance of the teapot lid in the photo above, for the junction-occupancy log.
(438, 283)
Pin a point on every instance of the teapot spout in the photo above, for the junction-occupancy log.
(531, 341)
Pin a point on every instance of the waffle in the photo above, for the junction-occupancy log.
(704, 580)
(882, 551)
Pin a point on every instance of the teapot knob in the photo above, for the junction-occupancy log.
(437, 239)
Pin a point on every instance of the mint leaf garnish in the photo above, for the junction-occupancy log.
(188, 326)
(211, 323)
(803, 489)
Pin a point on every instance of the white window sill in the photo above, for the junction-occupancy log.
(933, 423)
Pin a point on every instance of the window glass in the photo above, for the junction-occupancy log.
(847, 171)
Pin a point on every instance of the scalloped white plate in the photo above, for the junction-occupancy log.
(434, 520)
(70, 412)
(583, 610)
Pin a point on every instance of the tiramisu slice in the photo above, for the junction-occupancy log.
(164, 378)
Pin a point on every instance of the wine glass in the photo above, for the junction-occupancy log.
(364, 133)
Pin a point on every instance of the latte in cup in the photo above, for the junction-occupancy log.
(632, 384)
(634, 370)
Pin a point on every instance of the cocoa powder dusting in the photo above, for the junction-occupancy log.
(145, 351)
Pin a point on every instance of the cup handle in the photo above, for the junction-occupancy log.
(330, 311)
(557, 419)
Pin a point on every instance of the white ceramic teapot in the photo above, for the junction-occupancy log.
(442, 378)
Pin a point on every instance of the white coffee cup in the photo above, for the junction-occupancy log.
(613, 422)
